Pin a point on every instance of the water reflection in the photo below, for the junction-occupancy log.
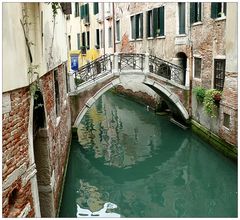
(145, 166)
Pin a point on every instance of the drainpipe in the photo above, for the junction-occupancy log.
(114, 35)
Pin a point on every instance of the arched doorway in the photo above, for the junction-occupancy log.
(42, 160)
(181, 58)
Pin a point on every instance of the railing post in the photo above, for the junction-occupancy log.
(146, 64)
(115, 64)
(71, 77)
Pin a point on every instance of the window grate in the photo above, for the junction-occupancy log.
(219, 74)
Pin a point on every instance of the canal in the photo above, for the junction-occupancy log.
(130, 162)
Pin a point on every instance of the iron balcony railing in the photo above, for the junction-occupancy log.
(129, 61)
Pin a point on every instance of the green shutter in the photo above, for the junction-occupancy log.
(214, 9)
(141, 26)
(192, 12)
(181, 18)
(87, 10)
(148, 24)
(95, 8)
(225, 8)
(155, 21)
(200, 11)
(82, 11)
(161, 20)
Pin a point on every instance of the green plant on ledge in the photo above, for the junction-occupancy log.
(200, 93)
(211, 101)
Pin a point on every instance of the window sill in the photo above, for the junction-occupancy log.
(197, 23)
(150, 38)
(118, 42)
(181, 35)
(139, 39)
(197, 79)
(220, 18)
(161, 37)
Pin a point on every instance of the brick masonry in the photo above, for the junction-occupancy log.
(15, 145)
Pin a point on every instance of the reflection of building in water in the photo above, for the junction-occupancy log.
(102, 130)
(92, 203)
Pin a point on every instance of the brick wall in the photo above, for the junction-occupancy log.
(15, 158)
(17, 168)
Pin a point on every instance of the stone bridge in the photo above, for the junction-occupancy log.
(96, 77)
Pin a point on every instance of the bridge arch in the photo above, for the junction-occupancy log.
(173, 101)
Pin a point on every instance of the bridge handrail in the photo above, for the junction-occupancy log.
(104, 64)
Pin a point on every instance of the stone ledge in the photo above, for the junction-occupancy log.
(218, 143)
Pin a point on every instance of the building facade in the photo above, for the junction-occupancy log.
(35, 114)
(200, 37)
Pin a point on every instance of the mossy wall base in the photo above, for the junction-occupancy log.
(218, 143)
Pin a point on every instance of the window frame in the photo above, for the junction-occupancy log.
(196, 12)
(136, 25)
(110, 44)
(77, 13)
(179, 31)
(118, 30)
(217, 76)
(195, 68)
(215, 11)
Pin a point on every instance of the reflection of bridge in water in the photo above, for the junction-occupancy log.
(95, 78)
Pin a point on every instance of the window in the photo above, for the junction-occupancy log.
(88, 40)
(85, 12)
(195, 12)
(181, 17)
(76, 9)
(150, 23)
(226, 120)
(83, 39)
(158, 21)
(69, 42)
(78, 41)
(197, 67)
(101, 34)
(97, 39)
(155, 22)
(57, 94)
(95, 8)
(109, 37)
(137, 26)
(219, 74)
(118, 30)
(218, 9)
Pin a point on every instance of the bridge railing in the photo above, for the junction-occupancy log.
(166, 69)
(115, 63)
(101, 65)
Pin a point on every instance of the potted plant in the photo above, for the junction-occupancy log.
(211, 101)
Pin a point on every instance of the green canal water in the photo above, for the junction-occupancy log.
(130, 162)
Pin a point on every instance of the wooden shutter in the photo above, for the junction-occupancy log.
(155, 21)
(88, 39)
(161, 20)
(133, 26)
(225, 8)
(141, 25)
(95, 8)
(200, 11)
(148, 23)
(214, 9)
(192, 12)
(181, 18)
(82, 11)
